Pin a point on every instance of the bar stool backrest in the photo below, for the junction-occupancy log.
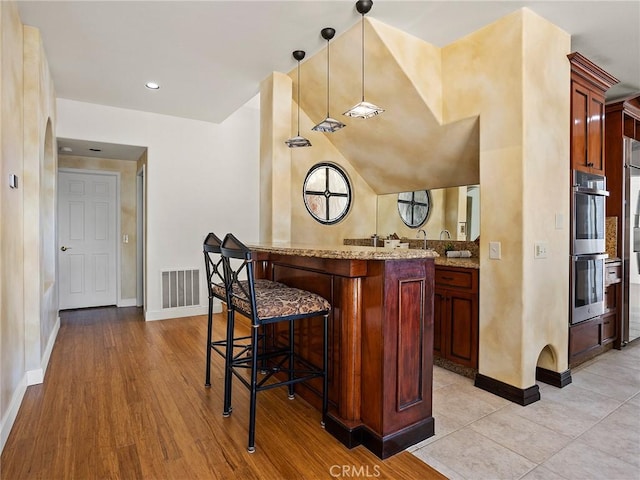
(238, 264)
(214, 266)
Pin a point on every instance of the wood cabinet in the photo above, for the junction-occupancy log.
(588, 86)
(589, 83)
(456, 315)
(592, 337)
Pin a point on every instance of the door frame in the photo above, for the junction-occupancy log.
(141, 187)
(117, 236)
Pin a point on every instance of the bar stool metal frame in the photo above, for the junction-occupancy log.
(264, 307)
(216, 286)
(217, 289)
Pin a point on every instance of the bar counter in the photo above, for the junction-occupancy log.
(380, 337)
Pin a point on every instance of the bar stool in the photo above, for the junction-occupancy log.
(217, 289)
(265, 307)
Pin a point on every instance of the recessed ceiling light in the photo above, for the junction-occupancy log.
(152, 85)
(66, 149)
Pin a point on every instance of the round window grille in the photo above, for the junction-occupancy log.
(414, 207)
(327, 193)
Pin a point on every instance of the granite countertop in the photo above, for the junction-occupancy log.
(347, 252)
(458, 262)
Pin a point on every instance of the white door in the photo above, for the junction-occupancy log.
(86, 239)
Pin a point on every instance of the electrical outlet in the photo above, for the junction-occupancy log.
(495, 250)
(540, 250)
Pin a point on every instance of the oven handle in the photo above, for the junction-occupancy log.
(591, 256)
(590, 191)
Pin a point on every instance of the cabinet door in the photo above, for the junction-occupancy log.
(595, 147)
(439, 315)
(587, 129)
(579, 126)
(609, 330)
(462, 329)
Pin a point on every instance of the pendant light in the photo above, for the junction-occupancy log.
(298, 141)
(328, 125)
(363, 109)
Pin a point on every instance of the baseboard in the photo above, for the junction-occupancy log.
(12, 412)
(167, 313)
(35, 377)
(521, 396)
(556, 379)
(128, 302)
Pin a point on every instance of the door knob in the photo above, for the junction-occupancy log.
(64, 249)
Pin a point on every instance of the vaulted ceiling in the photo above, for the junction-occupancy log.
(409, 146)
(210, 56)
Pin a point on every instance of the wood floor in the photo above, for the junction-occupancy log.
(124, 398)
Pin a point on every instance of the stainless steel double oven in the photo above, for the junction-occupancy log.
(588, 246)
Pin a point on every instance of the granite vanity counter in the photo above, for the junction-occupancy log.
(458, 262)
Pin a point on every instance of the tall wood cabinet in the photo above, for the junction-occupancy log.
(588, 86)
(455, 315)
(589, 83)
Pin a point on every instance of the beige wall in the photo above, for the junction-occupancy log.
(28, 302)
(514, 76)
(128, 171)
(284, 217)
(12, 207)
(39, 181)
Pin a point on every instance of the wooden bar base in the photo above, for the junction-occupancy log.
(383, 447)
(380, 344)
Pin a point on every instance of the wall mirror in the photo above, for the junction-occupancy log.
(453, 213)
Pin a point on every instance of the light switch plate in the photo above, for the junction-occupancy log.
(495, 250)
(559, 221)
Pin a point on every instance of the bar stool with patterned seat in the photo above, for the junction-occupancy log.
(217, 289)
(264, 307)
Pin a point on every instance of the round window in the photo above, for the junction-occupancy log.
(414, 207)
(327, 193)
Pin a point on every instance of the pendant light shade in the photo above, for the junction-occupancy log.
(363, 109)
(328, 125)
(298, 141)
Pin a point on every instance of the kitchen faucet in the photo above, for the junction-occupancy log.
(424, 247)
(447, 232)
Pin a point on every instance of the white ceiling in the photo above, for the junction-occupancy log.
(210, 56)
(84, 148)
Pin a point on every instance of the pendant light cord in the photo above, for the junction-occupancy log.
(328, 78)
(298, 98)
(363, 57)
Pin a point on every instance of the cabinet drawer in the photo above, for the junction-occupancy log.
(613, 274)
(585, 336)
(454, 278)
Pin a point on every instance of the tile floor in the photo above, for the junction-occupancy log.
(588, 430)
